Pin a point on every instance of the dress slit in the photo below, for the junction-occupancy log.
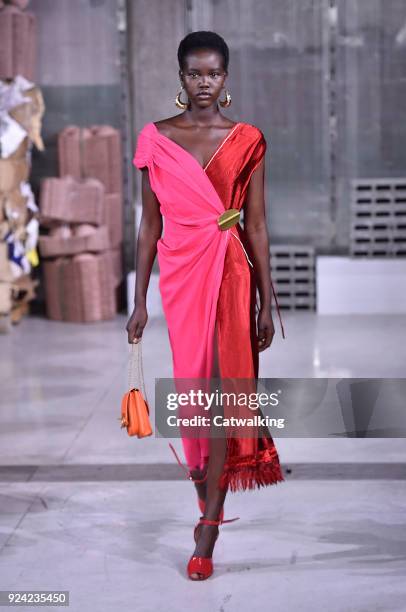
(216, 373)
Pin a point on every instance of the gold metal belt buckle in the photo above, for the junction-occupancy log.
(228, 218)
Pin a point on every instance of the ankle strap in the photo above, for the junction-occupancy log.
(189, 475)
(205, 521)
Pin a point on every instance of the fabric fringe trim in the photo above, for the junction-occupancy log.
(252, 473)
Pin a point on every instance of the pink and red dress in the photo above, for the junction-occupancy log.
(207, 279)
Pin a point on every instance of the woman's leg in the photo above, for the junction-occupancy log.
(191, 449)
(215, 496)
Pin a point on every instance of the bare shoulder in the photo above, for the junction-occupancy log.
(169, 125)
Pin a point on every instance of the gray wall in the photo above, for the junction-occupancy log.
(276, 79)
(323, 79)
(78, 69)
(371, 58)
(80, 74)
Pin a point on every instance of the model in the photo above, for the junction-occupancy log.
(198, 166)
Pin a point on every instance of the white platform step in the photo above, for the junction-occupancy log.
(347, 285)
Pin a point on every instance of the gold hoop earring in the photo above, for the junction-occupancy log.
(227, 101)
(179, 103)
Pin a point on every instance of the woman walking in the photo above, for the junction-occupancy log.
(199, 169)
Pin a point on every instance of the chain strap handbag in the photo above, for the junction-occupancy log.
(134, 405)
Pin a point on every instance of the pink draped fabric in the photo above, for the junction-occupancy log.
(191, 252)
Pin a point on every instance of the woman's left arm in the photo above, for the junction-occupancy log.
(256, 232)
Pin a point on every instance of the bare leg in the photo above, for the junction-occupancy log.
(215, 496)
(201, 488)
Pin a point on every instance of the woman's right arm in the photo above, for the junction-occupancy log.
(149, 233)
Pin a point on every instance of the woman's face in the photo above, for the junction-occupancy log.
(203, 76)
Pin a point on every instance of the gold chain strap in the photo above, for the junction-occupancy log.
(135, 369)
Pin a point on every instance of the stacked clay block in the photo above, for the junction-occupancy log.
(95, 152)
(71, 201)
(82, 212)
(18, 41)
(80, 288)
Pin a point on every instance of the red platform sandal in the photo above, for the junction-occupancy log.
(201, 568)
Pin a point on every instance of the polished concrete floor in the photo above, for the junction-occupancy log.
(86, 508)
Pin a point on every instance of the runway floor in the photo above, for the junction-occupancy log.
(85, 508)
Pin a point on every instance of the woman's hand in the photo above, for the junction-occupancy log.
(136, 323)
(266, 330)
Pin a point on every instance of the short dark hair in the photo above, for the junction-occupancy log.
(203, 39)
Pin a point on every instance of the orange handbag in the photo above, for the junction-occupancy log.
(134, 405)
